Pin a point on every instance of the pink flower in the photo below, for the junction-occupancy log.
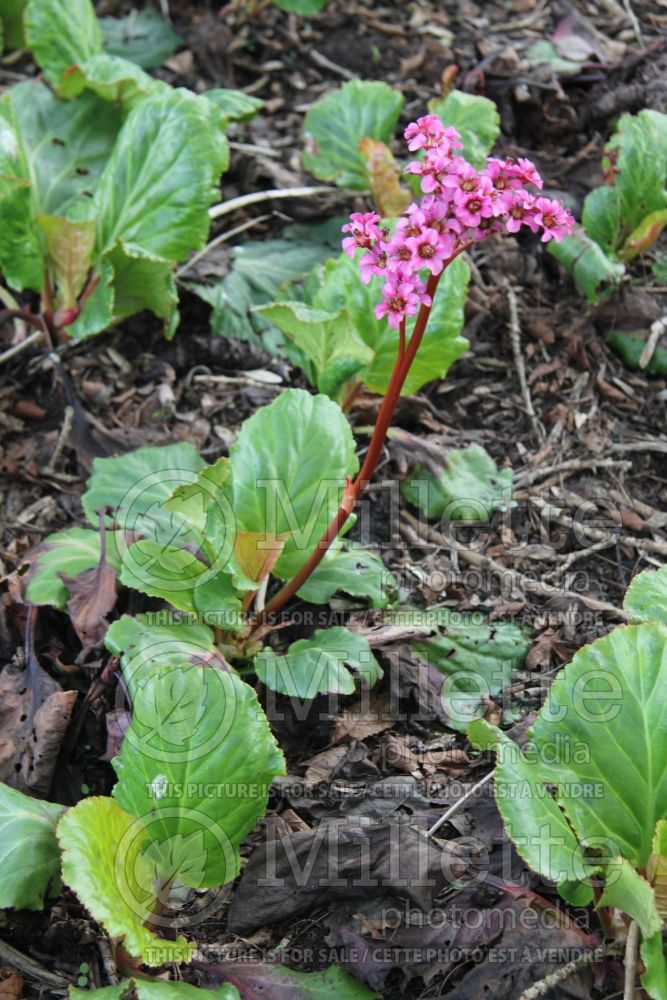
(364, 229)
(429, 132)
(401, 298)
(519, 207)
(474, 204)
(555, 220)
(373, 262)
(527, 173)
(430, 249)
(502, 174)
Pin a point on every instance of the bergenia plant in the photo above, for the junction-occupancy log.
(460, 207)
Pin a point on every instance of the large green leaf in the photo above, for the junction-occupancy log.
(104, 861)
(146, 643)
(159, 182)
(594, 272)
(68, 250)
(601, 218)
(476, 119)
(630, 344)
(20, 252)
(442, 343)
(61, 35)
(135, 488)
(66, 146)
(258, 271)
(532, 818)
(351, 570)
(276, 982)
(156, 989)
(113, 79)
(612, 699)
(646, 597)
(328, 339)
(335, 125)
(142, 280)
(470, 488)
(304, 8)
(66, 553)
(11, 23)
(639, 146)
(289, 468)
(476, 661)
(654, 979)
(197, 763)
(628, 891)
(318, 665)
(29, 855)
(143, 37)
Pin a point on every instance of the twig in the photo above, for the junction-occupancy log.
(630, 962)
(515, 338)
(459, 803)
(658, 444)
(657, 330)
(222, 238)
(545, 985)
(528, 477)
(108, 961)
(573, 557)
(516, 581)
(632, 17)
(17, 348)
(596, 534)
(11, 956)
(325, 63)
(65, 432)
(233, 205)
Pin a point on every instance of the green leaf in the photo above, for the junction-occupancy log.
(328, 339)
(476, 119)
(477, 661)
(29, 855)
(610, 699)
(135, 488)
(159, 182)
(61, 36)
(654, 979)
(340, 288)
(290, 463)
(142, 280)
(197, 761)
(352, 570)
(113, 79)
(601, 218)
(68, 250)
(179, 577)
(639, 146)
(533, 819)
(629, 346)
(335, 125)
(104, 862)
(258, 272)
(67, 553)
(97, 313)
(20, 252)
(155, 989)
(276, 982)
(143, 37)
(543, 52)
(68, 145)
(234, 104)
(594, 272)
(11, 23)
(315, 666)
(304, 8)
(646, 597)
(627, 891)
(470, 488)
(120, 992)
(645, 235)
(146, 643)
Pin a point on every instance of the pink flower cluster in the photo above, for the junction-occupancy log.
(460, 206)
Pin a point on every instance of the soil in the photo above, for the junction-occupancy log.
(596, 446)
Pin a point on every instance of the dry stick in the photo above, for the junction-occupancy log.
(459, 804)
(225, 207)
(630, 962)
(529, 476)
(32, 969)
(574, 557)
(517, 580)
(221, 238)
(545, 985)
(515, 337)
(17, 348)
(656, 332)
(596, 534)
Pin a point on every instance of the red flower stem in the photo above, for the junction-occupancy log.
(404, 358)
